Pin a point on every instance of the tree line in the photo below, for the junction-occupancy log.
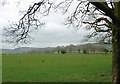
(81, 48)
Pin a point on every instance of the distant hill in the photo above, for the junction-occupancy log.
(69, 48)
(22, 50)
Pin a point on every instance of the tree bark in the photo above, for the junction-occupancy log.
(116, 46)
(116, 55)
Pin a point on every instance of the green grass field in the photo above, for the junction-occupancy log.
(57, 68)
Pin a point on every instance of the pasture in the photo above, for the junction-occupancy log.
(57, 68)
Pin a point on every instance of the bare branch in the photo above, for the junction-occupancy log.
(97, 15)
(20, 31)
(107, 10)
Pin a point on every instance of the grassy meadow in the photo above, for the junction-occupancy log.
(57, 68)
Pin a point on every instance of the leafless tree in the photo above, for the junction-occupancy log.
(101, 17)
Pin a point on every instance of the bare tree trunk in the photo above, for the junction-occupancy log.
(116, 45)
(116, 55)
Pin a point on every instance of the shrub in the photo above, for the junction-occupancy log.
(63, 51)
(106, 51)
(84, 50)
(79, 50)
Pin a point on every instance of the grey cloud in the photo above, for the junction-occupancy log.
(57, 34)
(54, 33)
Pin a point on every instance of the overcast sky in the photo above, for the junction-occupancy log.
(54, 33)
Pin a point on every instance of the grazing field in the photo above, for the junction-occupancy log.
(57, 68)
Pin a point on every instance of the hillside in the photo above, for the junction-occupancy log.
(21, 50)
(69, 48)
